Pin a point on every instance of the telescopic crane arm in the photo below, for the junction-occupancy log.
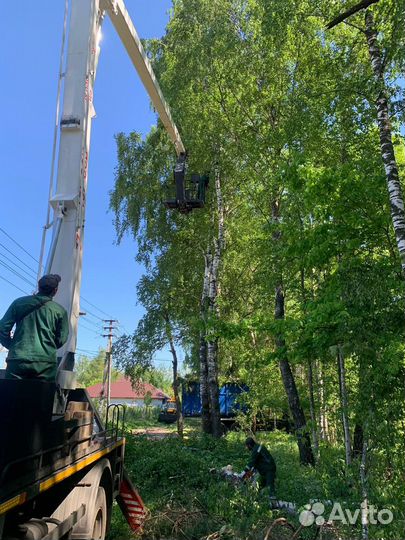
(69, 202)
(125, 29)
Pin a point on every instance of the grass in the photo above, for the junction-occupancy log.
(141, 417)
(186, 502)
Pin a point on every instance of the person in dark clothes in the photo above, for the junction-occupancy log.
(41, 328)
(261, 461)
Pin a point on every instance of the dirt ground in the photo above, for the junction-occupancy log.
(155, 433)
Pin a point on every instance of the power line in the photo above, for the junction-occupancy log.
(97, 308)
(123, 329)
(35, 273)
(87, 351)
(12, 284)
(15, 264)
(89, 329)
(93, 314)
(97, 325)
(19, 245)
(18, 259)
(93, 319)
(16, 273)
(88, 354)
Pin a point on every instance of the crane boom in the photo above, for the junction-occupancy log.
(126, 30)
(69, 202)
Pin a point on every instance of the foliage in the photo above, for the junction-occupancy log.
(159, 377)
(173, 476)
(287, 112)
(90, 371)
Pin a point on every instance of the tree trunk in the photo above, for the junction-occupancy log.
(343, 404)
(287, 376)
(203, 351)
(364, 492)
(180, 421)
(357, 441)
(304, 443)
(312, 407)
(310, 378)
(204, 392)
(214, 388)
(323, 417)
(175, 385)
(212, 342)
(387, 148)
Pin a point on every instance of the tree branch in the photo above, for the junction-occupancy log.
(355, 26)
(364, 4)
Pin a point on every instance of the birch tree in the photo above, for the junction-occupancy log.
(387, 148)
(203, 365)
(344, 404)
(208, 341)
(382, 105)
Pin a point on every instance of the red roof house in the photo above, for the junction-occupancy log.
(123, 392)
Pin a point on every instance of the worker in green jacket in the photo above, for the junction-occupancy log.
(41, 328)
(261, 461)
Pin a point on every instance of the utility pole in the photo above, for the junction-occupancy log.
(110, 327)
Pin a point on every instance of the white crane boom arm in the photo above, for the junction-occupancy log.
(69, 202)
(126, 30)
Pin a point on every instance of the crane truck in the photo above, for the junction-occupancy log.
(61, 465)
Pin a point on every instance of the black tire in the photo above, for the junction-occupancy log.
(100, 516)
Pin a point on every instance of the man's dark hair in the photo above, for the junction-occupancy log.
(48, 284)
(47, 291)
(250, 443)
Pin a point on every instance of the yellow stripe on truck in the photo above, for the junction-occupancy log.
(59, 477)
(12, 503)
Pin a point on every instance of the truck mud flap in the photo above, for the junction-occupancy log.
(131, 504)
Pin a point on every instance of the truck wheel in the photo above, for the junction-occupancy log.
(100, 516)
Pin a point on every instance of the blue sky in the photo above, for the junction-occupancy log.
(29, 62)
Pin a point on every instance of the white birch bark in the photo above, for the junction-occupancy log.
(312, 408)
(344, 404)
(364, 492)
(212, 344)
(204, 390)
(387, 148)
(323, 421)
